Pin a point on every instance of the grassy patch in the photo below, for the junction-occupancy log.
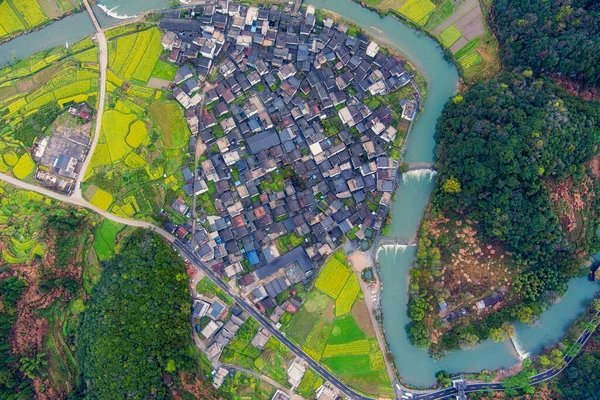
(210, 289)
(164, 70)
(345, 330)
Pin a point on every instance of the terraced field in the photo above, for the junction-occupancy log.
(33, 93)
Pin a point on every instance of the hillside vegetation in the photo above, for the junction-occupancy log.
(560, 36)
(514, 208)
(136, 325)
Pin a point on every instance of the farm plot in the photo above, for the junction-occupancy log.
(31, 12)
(104, 239)
(417, 11)
(332, 278)
(344, 302)
(24, 167)
(9, 21)
(134, 56)
(115, 128)
(450, 35)
(346, 344)
(168, 115)
(102, 199)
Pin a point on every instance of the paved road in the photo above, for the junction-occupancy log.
(534, 380)
(79, 202)
(187, 252)
(103, 61)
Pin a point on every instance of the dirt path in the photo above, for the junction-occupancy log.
(103, 61)
(265, 378)
(79, 202)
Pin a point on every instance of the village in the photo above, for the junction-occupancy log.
(295, 126)
(295, 160)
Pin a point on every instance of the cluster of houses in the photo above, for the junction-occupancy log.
(216, 324)
(295, 159)
(480, 305)
(61, 155)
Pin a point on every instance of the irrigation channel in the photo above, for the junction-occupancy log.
(414, 365)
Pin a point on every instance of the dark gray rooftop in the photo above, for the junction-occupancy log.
(297, 255)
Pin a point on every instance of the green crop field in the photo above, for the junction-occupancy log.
(417, 11)
(24, 166)
(345, 330)
(344, 302)
(164, 70)
(168, 115)
(450, 35)
(317, 338)
(134, 56)
(332, 278)
(105, 237)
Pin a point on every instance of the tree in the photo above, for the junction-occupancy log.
(509, 329)
(544, 361)
(444, 379)
(596, 305)
(525, 314)
(467, 340)
(452, 185)
(136, 324)
(497, 334)
(418, 335)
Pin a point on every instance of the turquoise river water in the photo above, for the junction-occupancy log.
(414, 365)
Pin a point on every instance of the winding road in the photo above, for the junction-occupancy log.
(186, 251)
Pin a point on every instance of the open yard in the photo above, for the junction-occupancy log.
(345, 341)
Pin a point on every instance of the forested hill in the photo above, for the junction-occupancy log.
(495, 148)
(559, 36)
(136, 329)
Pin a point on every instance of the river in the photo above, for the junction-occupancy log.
(414, 365)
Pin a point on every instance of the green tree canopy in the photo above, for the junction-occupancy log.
(136, 325)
